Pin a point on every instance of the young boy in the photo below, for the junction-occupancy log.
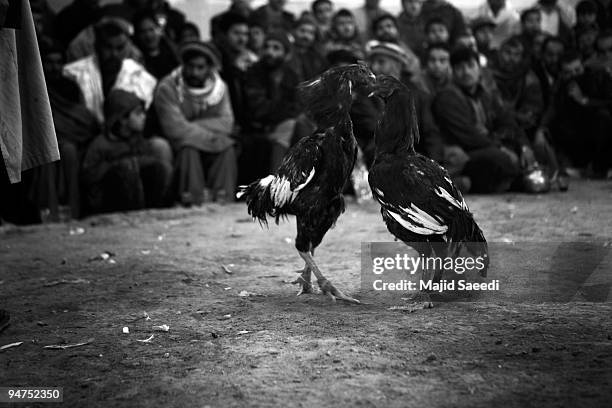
(121, 170)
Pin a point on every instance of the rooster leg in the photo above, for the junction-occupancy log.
(304, 281)
(326, 287)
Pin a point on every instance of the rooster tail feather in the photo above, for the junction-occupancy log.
(259, 201)
(477, 246)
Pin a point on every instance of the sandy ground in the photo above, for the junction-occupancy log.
(272, 348)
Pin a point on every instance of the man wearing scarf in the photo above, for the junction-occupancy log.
(195, 114)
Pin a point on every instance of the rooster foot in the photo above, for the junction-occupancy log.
(418, 301)
(305, 285)
(330, 290)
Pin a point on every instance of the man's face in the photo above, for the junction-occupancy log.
(136, 119)
(586, 41)
(195, 71)
(384, 65)
(277, 4)
(273, 53)
(586, 18)
(323, 13)
(238, 37)
(149, 34)
(484, 36)
(551, 56)
(53, 63)
(604, 47)
(113, 51)
(438, 63)
(305, 35)
(345, 27)
(467, 41)
(467, 74)
(572, 69)
(532, 23)
(437, 33)
(386, 31)
(412, 7)
(511, 57)
(257, 36)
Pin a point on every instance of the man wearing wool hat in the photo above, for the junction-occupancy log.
(195, 114)
(386, 58)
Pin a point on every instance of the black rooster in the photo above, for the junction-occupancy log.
(311, 177)
(419, 202)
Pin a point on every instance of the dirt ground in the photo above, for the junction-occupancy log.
(272, 348)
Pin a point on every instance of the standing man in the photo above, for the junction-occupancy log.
(273, 17)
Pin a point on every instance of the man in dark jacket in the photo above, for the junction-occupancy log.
(473, 119)
(580, 115)
(272, 107)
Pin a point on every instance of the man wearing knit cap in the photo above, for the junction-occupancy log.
(195, 114)
(270, 91)
(385, 29)
(386, 57)
(389, 59)
(307, 59)
(121, 169)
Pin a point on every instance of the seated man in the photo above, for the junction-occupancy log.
(385, 29)
(307, 60)
(232, 39)
(195, 114)
(473, 120)
(110, 67)
(437, 73)
(159, 54)
(603, 52)
(272, 108)
(522, 96)
(580, 115)
(344, 34)
(121, 170)
(389, 59)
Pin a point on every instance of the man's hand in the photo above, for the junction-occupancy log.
(513, 156)
(527, 157)
(574, 92)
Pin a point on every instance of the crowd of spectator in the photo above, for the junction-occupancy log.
(148, 115)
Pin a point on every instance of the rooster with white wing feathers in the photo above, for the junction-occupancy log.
(311, 178)
(419, 202)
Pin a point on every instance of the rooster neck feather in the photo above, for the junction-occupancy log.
(397, 130)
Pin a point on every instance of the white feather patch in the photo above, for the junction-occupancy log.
(379, 192)
(418, 229)
(280, 188)
(453, 201)
(310, 176)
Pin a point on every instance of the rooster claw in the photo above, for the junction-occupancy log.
(330, 290)
(305, 286)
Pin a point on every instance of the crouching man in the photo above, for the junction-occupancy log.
(122, 170)
(195, 114)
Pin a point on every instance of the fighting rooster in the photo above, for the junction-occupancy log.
(311, 177)
(419, 202)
